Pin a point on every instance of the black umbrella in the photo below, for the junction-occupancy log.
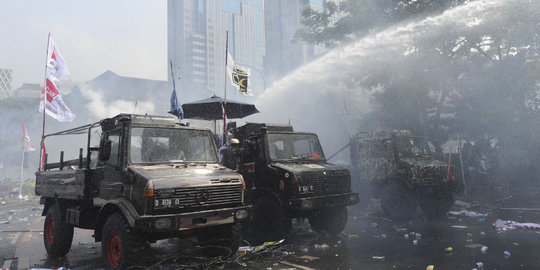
(211, 109)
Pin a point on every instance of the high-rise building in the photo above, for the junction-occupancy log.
(282, 19)
(197, 34)
(6, 83)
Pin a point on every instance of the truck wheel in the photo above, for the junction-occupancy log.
(329, 220)
(397, 203)
(57, 234)
(222, 240)
(436, 206)
(270, 221)
(119, 245)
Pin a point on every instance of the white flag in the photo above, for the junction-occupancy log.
(54, 104)
(56, 65)
(239, 76)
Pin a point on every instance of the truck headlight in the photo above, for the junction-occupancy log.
(241, 214)
(306, 204)
(162, 223)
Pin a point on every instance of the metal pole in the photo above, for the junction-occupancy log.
(224, 140)
(41, 150)
(22, 172)
(461, 164)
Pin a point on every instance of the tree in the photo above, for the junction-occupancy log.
(354, 18)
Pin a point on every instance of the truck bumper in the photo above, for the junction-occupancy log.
(192, 220)
(311, 203)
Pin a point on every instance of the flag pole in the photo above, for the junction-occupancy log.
(22, 172)
(41, 150)
(225, 90)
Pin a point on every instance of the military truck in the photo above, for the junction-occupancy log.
(287, 177)
(150, 178)
(401, 170)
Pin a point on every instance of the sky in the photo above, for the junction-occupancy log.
(128, 37)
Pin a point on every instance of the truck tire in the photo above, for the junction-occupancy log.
(57, 234)
(397, 203)
(329, 220)
(270, 221)
(437, 205)
(119, 245)
(222, 240)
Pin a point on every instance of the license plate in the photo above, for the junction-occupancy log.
(164, 203)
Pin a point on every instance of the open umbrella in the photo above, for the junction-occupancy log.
(211, 109)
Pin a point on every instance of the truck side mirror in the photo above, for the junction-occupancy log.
(105, 150)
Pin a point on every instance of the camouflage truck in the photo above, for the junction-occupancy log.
(401, 170)
(287, 176)
(150, 178)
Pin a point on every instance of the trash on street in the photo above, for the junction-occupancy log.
(467, 213)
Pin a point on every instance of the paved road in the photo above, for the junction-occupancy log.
(370, 241)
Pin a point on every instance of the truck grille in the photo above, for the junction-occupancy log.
(198, 197)
(328, 184)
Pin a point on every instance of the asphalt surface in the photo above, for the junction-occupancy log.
(369, 241)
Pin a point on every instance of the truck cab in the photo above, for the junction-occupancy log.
(287, 176)
(150, 178)
(401, 170)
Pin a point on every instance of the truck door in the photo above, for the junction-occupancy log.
(110, 173)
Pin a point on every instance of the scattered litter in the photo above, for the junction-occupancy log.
(430, 267)
(322, 247)
(304, 249)
(469, 241)
(415, 242)
(373, 225)
(479, 265)
(463, 204)
(467, 213)
(503, 225)
(378, 257)
(506, 254)
(459, 226)
(383, 236)
(245, 249)
(448, 250)
(474, 245)
(296, 265)
(4, 221)
(418, 236)
(515, 244)
(406, 236)
(482, 233)
(308, 258)
(353, 236)
(483, 249)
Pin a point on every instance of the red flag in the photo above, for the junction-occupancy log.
(25, 142)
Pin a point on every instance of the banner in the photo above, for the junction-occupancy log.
(56, 65)
(54, 104)
(238, 75)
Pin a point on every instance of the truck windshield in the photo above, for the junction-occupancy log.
(291, 146)
(171, 145)
(412, 147)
